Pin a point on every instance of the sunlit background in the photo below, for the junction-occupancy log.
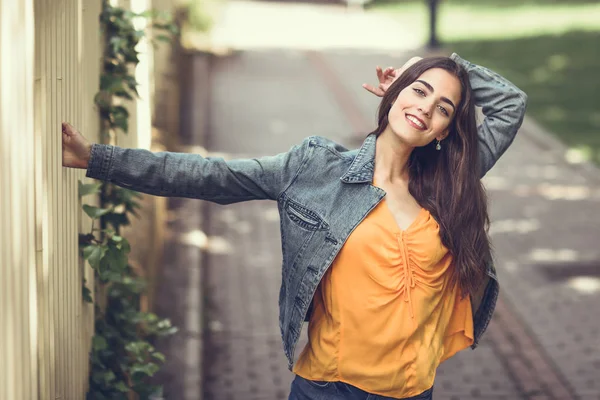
(252, 78)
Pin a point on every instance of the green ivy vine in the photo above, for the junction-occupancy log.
(122, 357)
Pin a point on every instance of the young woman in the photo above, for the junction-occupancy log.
(385, 249)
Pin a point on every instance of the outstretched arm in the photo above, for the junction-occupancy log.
(182, 174)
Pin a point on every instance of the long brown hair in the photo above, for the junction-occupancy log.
(447, 182)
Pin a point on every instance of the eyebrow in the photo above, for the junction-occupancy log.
(430, 88)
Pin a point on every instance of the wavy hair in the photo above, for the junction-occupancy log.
(447, 182)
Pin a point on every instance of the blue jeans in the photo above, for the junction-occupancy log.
(303, 389)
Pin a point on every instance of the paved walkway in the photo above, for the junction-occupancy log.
(544, 342)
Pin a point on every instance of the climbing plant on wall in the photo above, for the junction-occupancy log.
(122, 357)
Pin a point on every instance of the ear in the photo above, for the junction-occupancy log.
(443, 135)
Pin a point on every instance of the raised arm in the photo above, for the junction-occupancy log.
(503, 106)
(186, 175)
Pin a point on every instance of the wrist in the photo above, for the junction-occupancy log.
(86, 156)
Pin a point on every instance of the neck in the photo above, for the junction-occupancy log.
(391, 158)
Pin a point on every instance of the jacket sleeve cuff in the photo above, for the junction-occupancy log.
(460, 61)
(100, 161)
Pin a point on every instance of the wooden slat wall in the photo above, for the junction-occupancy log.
(50, 55)
(67, 65)
(17, 251)
(49, 69)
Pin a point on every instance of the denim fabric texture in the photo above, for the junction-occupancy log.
(323, 191)
(304, 389)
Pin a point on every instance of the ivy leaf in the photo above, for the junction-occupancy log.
(85, 239)
(110, 276)
(148, 369)
(159, 356)
(119, 111)
(94, 254)
(115, 260)
(163, 38)
(147, 13)
(99, 343)
(86, 293)
(121, 123)
(109, 377)
(117, 43)
(100, 99)
(132, 85)
(122, 387)
(111, 83)
(117, 219)
(89, 188)
(95, 212)
(132, 57)
(123, 94)
(119, 118)
(124, 246)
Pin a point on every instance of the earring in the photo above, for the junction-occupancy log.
(438, 146)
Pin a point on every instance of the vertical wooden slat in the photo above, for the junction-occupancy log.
(3, 239)
(63, 265)
(16, 236)
(49, 230)
(70, 115)
(80, 311)
(76, 176)
(29, 225)
(71, 196)
(3, 259)
(65, 202)
(39, 118)
(58, 222)
(8, 348)
(40, 27)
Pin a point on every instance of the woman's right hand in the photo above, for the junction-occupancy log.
(76, 150)
(388, 76)
(385, 77)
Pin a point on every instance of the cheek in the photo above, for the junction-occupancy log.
(439, 125)
(441, 128)
(395, 114)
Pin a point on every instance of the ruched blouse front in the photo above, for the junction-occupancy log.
(385, 314)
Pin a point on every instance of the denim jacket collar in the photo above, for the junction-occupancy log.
(363, 166)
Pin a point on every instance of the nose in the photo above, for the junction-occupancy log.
(426, 108)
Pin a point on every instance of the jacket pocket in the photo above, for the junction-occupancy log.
(304, 217)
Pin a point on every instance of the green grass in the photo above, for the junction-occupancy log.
(549, 48)
(482, 3)
(560, 75)
(457, 21)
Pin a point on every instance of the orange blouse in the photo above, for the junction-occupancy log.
(385, 315)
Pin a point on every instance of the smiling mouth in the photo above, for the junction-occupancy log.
(417, 123)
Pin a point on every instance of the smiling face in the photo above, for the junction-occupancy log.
(424, 109)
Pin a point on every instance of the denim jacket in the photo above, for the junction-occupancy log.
(323, 191)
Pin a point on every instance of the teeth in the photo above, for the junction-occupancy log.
(416, 121)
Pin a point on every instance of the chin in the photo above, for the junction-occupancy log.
(409, 136)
